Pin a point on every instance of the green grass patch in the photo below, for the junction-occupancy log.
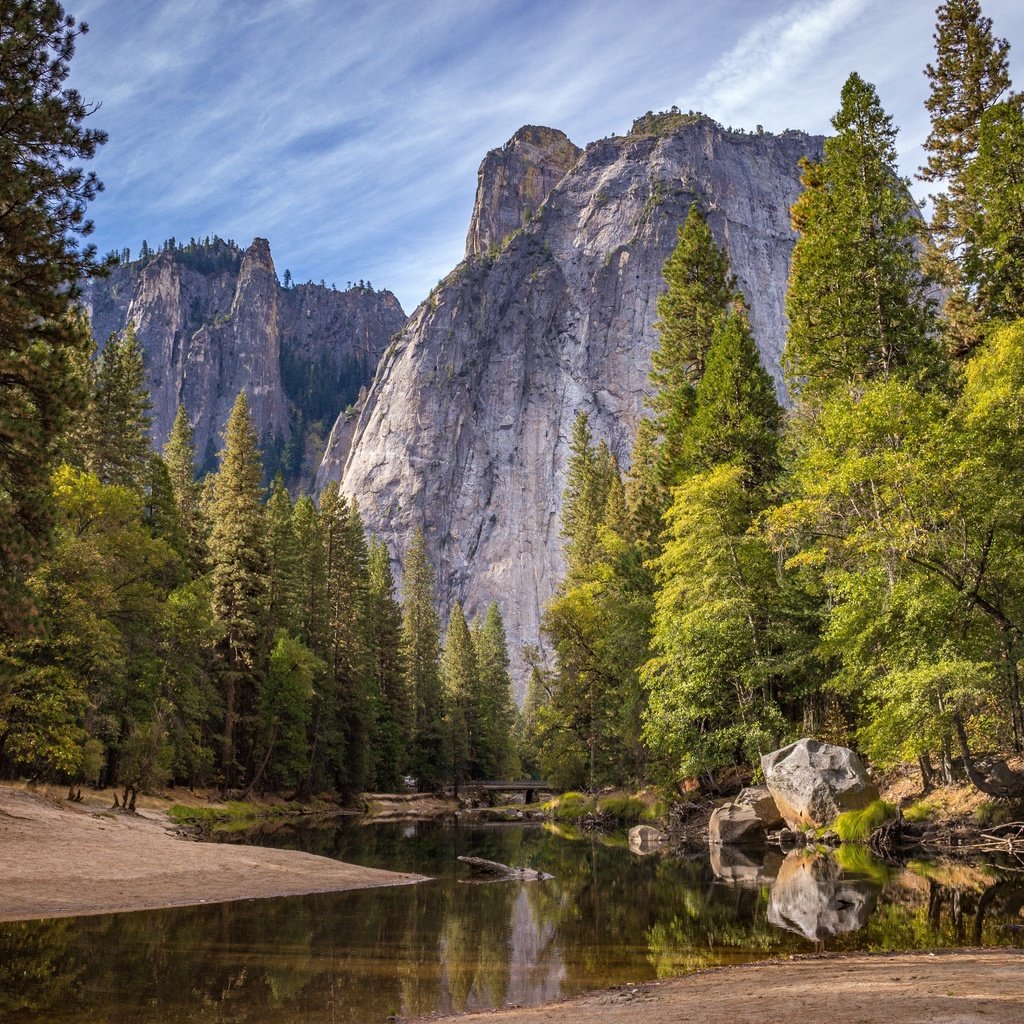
(920, 811)
(234, 812)
(856, 826)
(624, 810)
(570, 806)
(858, 861)
(999, 812)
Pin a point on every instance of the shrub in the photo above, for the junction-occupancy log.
(856, 826)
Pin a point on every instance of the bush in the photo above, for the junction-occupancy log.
(856, 826)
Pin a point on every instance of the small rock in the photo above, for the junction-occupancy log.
(645, 839)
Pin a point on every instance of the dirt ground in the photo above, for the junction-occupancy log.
(961, 987)
(56, 861)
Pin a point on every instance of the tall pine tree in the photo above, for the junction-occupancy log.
(180, 459)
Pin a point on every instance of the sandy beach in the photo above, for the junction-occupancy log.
(56, 861)
(962, 987)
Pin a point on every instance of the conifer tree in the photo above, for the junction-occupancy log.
(969, 77)
(394, 711)
(700, 288)
(43, 195)
(462, 699)
(180, 459)
(858, 305)
(496, 759)
(736, 418)
(312, 597)
(588, 478)
(160, 510)
(420, 647)
(283, 562)
(238, 557)
(116, 431)
(646, 496)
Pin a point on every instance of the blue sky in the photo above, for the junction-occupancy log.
(349, 133)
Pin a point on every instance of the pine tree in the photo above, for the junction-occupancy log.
(736, 418)
(857, 303)
(116, 433)
(43, 196)
(160, 510)
(283, 562)
(700, 289)
(312, 597)
(969, 77)
(461, 683)
(588, 478)
(238, 556)
(498, 717)
(420, 647)
(394, 711)
(180, 459)
(646, 496)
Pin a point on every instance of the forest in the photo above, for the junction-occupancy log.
(850, 567)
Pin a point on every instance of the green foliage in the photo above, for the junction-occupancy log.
(44, 192)
(919, 811)
(569, 806)
(623, 810)
(856, 826)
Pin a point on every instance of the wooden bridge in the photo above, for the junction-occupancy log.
(531, 787)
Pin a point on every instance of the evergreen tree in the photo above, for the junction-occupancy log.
(700, 289)
(461, 683)
(312, 553)
(498, 717)
(180, 459)
(43, 196)
(736, 418)
(160, 509)
(857, 303)
(394, 711)
(970, 76)
(238, 557)
(646, 496)
(284, 571)
(588, 477)
(420, 647)
(116, 433)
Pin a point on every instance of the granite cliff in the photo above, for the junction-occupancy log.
(213, 319)
(465, 429)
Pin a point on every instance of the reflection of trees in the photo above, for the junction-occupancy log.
(607, 917)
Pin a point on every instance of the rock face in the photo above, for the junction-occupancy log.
(813, 782)
(467, 424)
(812, 898)
(213, 319)
(735, 825)
(514, 181)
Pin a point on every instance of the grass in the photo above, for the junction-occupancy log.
(920, 811)
(856, 826)
(622, 809)
(234, 812)
(999, 812)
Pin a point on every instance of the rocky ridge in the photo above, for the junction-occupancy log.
(213, 320)
(466, 427)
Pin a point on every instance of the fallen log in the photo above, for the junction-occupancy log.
(491, 869)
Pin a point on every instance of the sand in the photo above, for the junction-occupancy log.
(60, 861)
(961, 987)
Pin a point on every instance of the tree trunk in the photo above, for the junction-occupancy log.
(976, 778)
(927, 773)
(227, 756)
(247, 792)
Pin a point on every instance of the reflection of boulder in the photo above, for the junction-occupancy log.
(736, 824)
(810, 897)
(761, 801)
(646, 839)
(743, 868)
(813, 783)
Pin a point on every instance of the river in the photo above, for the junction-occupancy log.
(607, 917)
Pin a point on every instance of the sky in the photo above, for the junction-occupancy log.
(349, 134)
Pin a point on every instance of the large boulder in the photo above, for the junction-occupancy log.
(745, 868)
(813, 783)
(736, 825)
(760, 800)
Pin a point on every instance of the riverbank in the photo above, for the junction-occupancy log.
(918, 988)
(61, 860)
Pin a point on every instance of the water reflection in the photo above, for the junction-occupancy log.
(606, 918)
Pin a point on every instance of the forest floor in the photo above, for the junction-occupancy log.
(963, 987)
(67, 860)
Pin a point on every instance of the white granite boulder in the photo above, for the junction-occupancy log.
(736, 825)
(761, 801)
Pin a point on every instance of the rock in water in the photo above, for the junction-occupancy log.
(744, 869)
(761, 801)
(480, 868)
(814, 782)
(645, 839)
(467, 425)
(737, 825)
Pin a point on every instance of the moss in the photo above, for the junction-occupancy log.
(856, 826)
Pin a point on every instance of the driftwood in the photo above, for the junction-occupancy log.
(491, 869)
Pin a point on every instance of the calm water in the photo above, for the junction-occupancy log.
(607, 918)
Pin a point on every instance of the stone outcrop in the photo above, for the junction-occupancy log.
(735, 825)
(813, 782)
(813, 898)
(514, 181)
(646, 839)
(213, 319)
(466, 427)
(760, 800)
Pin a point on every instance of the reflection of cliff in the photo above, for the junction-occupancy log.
(812, 898)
